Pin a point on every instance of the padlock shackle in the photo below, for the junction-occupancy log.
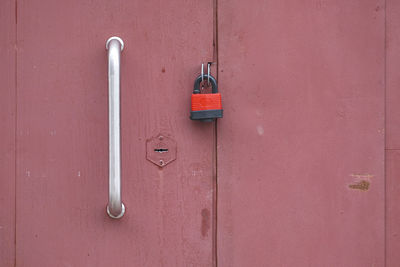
(214, 85)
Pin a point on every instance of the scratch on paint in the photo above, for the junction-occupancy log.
(197, 172)
(362, 176)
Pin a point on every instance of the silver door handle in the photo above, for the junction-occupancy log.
(115, 207)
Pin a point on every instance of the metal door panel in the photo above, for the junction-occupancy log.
(62, 145)
(392, 145)
(300, 148)
(7, 133)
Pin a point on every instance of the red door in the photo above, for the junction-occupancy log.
(301, 148)
(293, 175)
(61, 134)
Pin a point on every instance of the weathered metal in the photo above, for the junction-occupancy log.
(304, 89)
(392, 133)
(62, 140)
(7, 132)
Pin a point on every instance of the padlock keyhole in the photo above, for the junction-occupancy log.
(205, 87)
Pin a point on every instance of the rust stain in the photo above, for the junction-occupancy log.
(362, 185)
(205, 222)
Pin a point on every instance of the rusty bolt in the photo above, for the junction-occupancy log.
(161, 163)
(160, 137)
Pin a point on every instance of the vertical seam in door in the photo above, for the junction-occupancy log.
(15, 130)
(215, 143)
(384, 138)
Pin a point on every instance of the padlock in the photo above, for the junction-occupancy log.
(206, 107)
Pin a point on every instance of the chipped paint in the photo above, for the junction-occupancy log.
(260, 130)
(198, 172)
(362, 185)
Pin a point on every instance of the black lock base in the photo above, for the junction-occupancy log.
(206, 115)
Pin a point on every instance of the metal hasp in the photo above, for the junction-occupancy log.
(115, 207)
(161, 150)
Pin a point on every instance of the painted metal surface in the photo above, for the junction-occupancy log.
(161, 150)
(303, 87)
(62, 147)
(392, 208)
(392, 133)
(392, 74)
(7, 133)
(303, 133)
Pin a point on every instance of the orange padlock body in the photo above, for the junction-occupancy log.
(206, 101)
